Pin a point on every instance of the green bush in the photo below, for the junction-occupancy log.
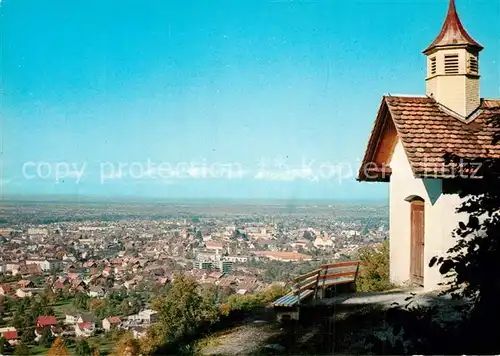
(247, 302)
(374, 269)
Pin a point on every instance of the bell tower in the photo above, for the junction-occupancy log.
(453, 67)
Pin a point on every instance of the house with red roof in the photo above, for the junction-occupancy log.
(84, 329)
(25, 283)
(60, 284)
(10, 335)
(30, 269)
(78, 285)
(110, 323)
(107, 271)
(408, 146)
(24, 293)
(163, 280)
(45, 320)
(5, 289)
(54, 331)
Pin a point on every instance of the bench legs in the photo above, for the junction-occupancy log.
(288, 314)
(320, 293)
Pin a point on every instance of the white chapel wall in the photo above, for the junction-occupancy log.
(440, 220)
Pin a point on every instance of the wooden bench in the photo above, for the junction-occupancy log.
(313, 285)
(302, 287)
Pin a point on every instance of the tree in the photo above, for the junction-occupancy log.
(27, 335)
(374, 269)
(2, 345)
(183, 312)
(271, 293)
(46, 337)
(154, 339)
(96, 351)
(308, 235)
(125, 307)
(218, 293)
(246, 302)
(58, 348)
(135, 305)
(82, 348)
(471, 267)
(17, 320)
(48, 296)
(21, 350)
(6, 305)
(81, 301)
(98, 306)
(127, 346)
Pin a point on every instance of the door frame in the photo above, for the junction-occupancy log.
(417, 241)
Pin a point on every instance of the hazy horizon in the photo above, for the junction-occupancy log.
(144, 199)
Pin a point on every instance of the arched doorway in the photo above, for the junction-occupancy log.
(417, 236)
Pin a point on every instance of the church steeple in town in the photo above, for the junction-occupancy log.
(453, 66)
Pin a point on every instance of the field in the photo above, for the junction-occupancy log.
(105, 346)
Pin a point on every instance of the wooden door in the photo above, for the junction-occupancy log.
(417, 242)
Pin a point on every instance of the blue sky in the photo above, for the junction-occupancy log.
(256, 86)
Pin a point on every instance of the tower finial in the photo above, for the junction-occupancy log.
(453, 32)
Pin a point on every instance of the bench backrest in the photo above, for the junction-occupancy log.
(305, 281)
(338, 270)
(323, 275)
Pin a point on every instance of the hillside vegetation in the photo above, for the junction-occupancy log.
(374, 269)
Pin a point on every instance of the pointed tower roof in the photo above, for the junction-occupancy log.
(453, 32)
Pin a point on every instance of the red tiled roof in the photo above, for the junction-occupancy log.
(453, 32)
(163, 280)
(284, 255)
(59, 284)
(114, 320)
(213, 244)
(23, 282)
(43, 320)
(56, 329)
(216, 275)
(427, 133)
(10, 335)
(84, 325)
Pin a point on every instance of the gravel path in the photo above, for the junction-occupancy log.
(243, 340)
(382, 298)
